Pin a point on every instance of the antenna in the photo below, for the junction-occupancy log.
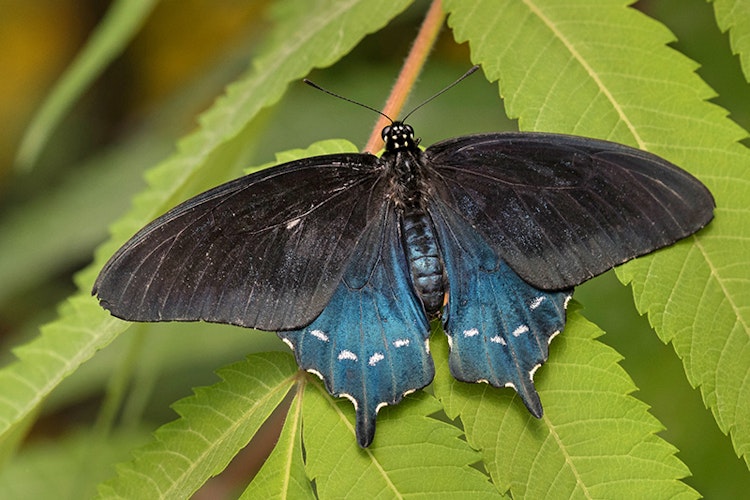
(462, 77)
(316, 86)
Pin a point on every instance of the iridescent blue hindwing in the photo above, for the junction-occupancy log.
(370, 342)
(499, 327)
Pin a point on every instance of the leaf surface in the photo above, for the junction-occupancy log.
(600, 69)
(215, 424)
(594, 441)
(734, 16)
(413, 454)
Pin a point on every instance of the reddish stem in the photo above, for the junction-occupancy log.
(423, 44)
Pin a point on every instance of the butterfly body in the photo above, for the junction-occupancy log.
(425, 262)
(349, 256)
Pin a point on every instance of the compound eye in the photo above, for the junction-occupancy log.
(386, 132)
(409, 130)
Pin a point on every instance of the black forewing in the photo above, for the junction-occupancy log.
(561, 209)
(266, 250)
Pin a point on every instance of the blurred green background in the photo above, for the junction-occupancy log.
(52, 217)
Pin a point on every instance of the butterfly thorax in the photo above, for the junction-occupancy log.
(404, 165)
(404, 161)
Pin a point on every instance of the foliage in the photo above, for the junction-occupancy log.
(597, 68)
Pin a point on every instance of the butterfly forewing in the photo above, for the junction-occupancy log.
(266, 250)
(562, 209)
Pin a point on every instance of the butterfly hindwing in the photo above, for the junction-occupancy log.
(370, 343)
(561, 209)
(499, 327)
(266, 250)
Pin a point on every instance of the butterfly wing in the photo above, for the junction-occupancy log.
(561, 209)
(370, 342)
(499, 327)
(266, 250)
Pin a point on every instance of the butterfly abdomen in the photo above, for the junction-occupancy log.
(425, 262)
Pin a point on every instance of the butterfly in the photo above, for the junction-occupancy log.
(350, 256)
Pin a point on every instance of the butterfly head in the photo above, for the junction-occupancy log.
(399, 136)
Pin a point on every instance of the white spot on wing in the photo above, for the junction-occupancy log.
(316, 373)
(471, 333)
(289, 343)
(350, 398)
(346, 354)
(567, 299)
(555, 334)
(320, 335)
(498, 340)
(511, 385)
(400, 342)
(376, 358)
(380, 405)
(533, 371)
(427, 346)
(521, 329)
(292, 223)
(536, 302)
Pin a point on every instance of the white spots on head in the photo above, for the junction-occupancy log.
(350, 398)
(380, 405)
(289, 343)
(521, 329)
(497, 339)
(376, 358)
(533, 371)
(400, 343)
(567, 300)
(536, 302)
(316, 373)
(292, 223)
(346, 354)
(473, 332)
(320, 335)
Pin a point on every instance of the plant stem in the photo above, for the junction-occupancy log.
(423, 44)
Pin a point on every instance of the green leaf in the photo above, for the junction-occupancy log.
(412, 452)
(734, 16)
(69, 467)
(215, 424)
(122, 21)
(600, 69)
(45, 361)
(594, 440)
(314, 34)
(283, 473)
